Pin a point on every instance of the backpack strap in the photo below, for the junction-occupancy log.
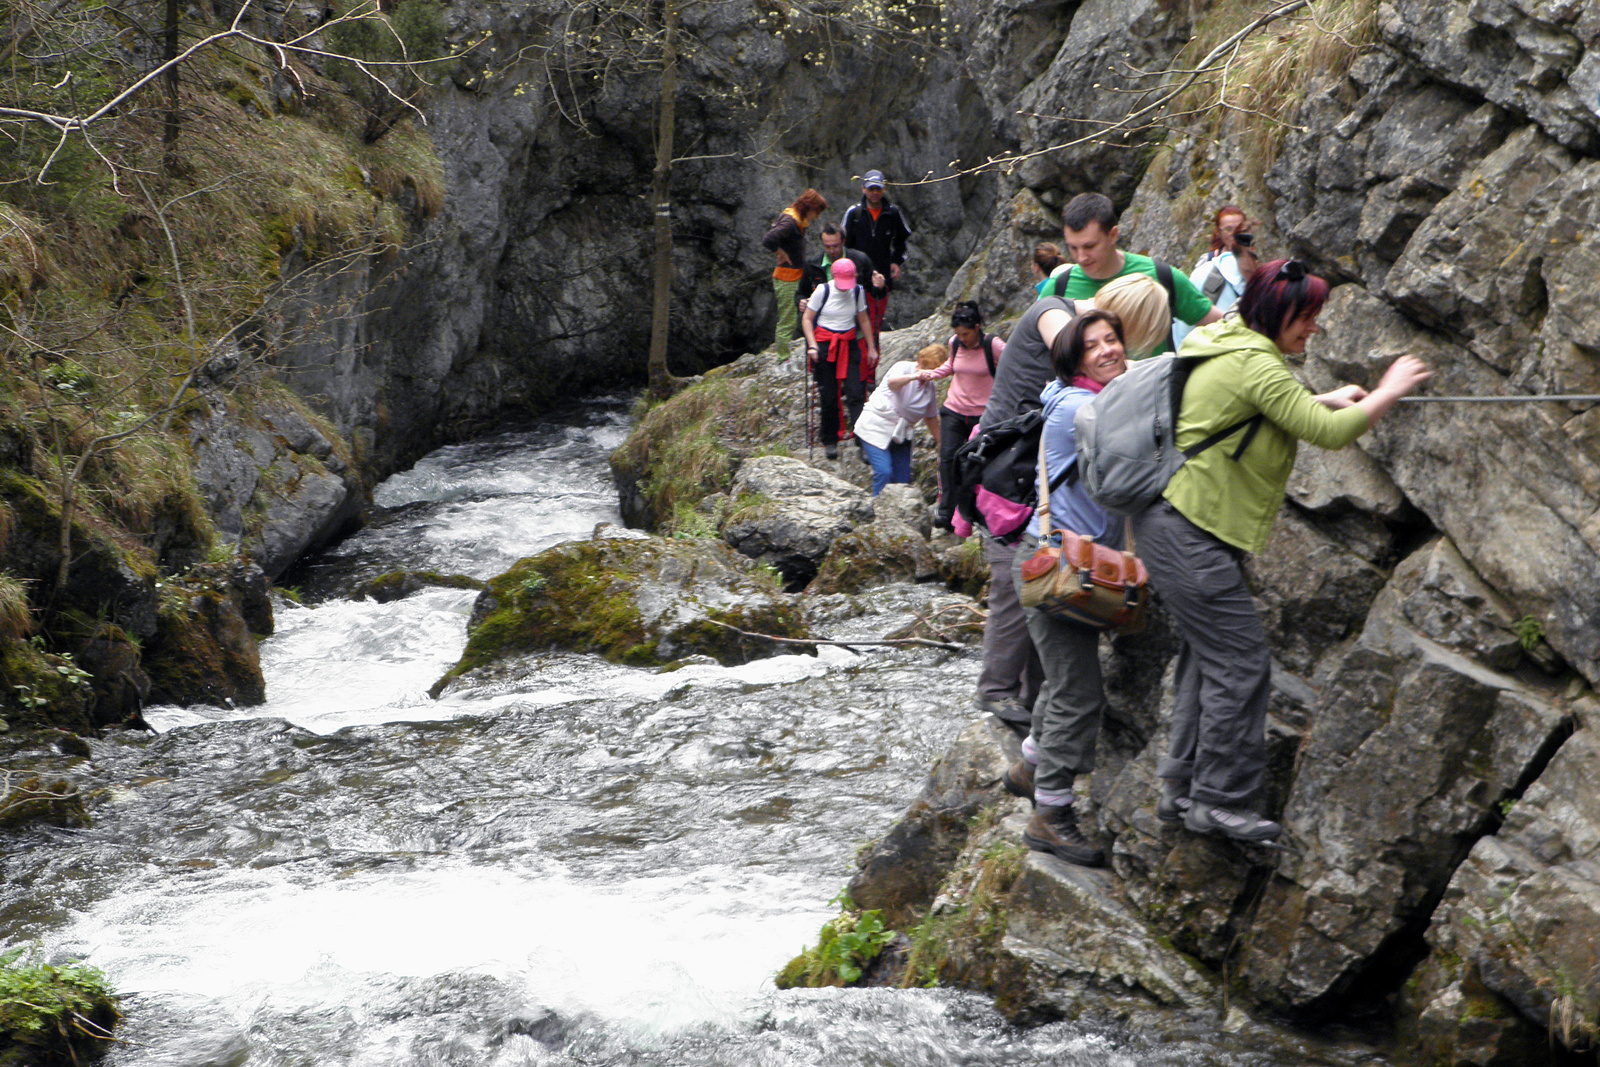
(1254, 422)
(985, 342)
(1164, 276)
(1048, 485)
(1054, 286)
(823, 289)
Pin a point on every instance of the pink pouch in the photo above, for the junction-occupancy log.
(959, 523)
(1000, 515)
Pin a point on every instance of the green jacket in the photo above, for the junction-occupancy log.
(1237, 500)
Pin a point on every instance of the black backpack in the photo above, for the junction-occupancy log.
(985, 342)
(1004, 459)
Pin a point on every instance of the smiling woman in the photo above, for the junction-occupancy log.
(1089, 352)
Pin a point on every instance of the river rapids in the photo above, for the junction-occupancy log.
(568, 863)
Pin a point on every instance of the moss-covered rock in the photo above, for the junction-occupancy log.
(53, 1016)
(105, 579)
(689, 446)
(42, 689)
(877, 554)
(34, 800)
(963, 566)
(203, 651)
(397, 585)
(641, 601)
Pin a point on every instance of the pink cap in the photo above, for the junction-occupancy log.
(844, 273)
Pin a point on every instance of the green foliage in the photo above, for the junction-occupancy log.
(683, 449)
(401, 43)
(950, 943)
(1529, 631)
(36, 996)
(845, 945)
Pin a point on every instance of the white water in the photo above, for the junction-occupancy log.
(577, 863)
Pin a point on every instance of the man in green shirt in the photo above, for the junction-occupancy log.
(1089, 224)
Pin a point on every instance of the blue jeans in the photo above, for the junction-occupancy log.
(892, 464)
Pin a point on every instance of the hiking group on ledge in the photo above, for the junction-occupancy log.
(1043, 401)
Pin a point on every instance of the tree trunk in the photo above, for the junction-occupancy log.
(169, 136)
(661, 379)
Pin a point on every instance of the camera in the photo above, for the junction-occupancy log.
(1244, 240)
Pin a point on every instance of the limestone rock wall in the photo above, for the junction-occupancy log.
(1430, 593)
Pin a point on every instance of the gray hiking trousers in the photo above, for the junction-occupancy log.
(1011, 669)
(1224, 671)
(1072, 701)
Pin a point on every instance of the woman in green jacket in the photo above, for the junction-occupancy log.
(1218, 507)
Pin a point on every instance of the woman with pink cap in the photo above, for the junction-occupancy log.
(839, 350)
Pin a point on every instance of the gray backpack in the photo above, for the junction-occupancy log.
(1127, 434)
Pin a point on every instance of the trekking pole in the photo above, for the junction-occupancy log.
(1565, 398)
(811, 405)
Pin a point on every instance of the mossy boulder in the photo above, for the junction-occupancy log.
(44, 689)
(53, 1015)
(876, 554)
(644, 601)
(203, 651)
(964, 567)
(113, 663)
(397, 585)
(689, 446)
(34, 800)
(106, 577)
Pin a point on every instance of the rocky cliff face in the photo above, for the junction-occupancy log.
(1430, 593)
(533, 282)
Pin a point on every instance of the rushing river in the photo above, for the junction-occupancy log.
(574, 863)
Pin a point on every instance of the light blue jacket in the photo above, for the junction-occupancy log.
(1070, 507)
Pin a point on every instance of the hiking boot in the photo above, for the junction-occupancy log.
(1234, 825)
(1011, 713)
(1018, 779)
(1054, 829)
(1172, 807)
(831, 451)
(1008, 708)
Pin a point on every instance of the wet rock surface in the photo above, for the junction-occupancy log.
(791, 514)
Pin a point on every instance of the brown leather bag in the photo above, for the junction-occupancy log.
(1073, 578)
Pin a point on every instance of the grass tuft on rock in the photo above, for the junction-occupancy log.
(957, 942)
(687, 448)
(1268, 77)
(845, 946)
(53, 1015)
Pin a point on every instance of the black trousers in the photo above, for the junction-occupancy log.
(953, 432)
(833, 392)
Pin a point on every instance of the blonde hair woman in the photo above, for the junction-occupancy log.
(889, 419)
(1141, 303)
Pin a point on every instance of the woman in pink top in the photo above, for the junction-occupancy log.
(973, 355)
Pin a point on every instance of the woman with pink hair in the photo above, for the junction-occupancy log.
(1218, 507)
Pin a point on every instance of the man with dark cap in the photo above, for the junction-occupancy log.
(877, 227)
